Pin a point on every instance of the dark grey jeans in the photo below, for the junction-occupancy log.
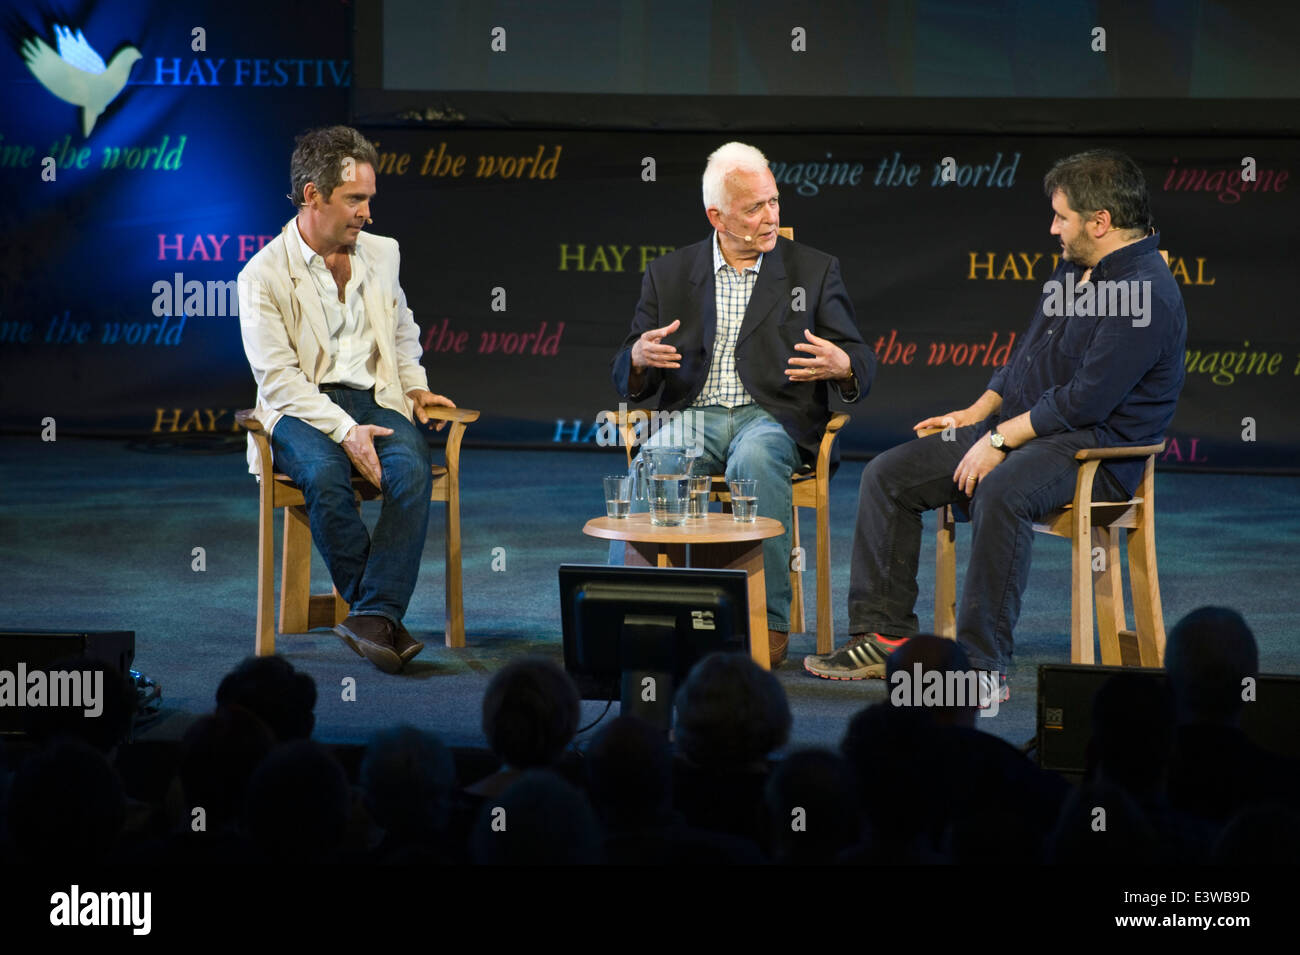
(899, 485)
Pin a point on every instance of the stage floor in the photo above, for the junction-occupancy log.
(100, 534)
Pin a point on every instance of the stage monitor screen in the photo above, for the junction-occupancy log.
(651, 622)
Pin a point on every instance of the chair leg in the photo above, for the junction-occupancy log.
(325, 610)
(797, 624)
(264, 638)
(340, 606)
(1108, 587)
(1081, 626)
(825, 600)
(945, 576)
(455, 631)
(295, 573)
(1148, 615)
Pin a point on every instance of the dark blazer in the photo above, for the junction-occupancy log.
(680, 285)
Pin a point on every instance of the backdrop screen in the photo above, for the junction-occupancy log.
(836, 63)
(131, 212)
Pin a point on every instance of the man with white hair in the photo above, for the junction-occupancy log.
(744, 331)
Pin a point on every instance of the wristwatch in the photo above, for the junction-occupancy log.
(998, 441)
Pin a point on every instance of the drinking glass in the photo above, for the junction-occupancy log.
(617, 499)
(700, 485)
(744, 500)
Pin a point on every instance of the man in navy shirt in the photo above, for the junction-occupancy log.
(1100, 365)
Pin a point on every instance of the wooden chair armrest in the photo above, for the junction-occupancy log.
(1083, 485)
(261, 444)
(623, 416)
(1123, 451)
(627, 420)
(1091, 454)
(247, 420)
(459, 415)
(838, 421)
(460, 419)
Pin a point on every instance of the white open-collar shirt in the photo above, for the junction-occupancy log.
(354, 361)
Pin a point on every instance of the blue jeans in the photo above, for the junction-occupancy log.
(744, 442)
(916, 476)
(375, 575)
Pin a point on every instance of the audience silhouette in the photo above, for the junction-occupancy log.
(1171, 777)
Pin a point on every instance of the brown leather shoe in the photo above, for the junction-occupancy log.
(372, 636)
(349, 641)
(778, 642)
(405, 644)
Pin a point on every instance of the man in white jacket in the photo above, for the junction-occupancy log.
(336, 355)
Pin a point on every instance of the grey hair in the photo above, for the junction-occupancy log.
(320, 155)
(726, 159)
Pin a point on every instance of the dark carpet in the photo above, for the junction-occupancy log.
(100, 534)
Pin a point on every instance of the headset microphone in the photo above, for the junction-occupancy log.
(747, 238)
(369, 220)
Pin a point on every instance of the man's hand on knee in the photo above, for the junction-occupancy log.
(953, 419)
(359, 445)
(987, 403)
(975, 465)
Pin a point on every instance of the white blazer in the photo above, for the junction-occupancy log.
(288, 344)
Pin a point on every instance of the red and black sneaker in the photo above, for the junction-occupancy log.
(863, 658)
(986, 690)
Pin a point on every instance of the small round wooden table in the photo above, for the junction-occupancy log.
(716, 540)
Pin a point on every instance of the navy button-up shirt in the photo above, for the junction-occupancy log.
(1119, 375)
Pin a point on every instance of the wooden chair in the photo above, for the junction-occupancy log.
(1088, 525)
(808, 489)
(300, 609)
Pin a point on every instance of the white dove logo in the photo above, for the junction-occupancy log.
(77, 73)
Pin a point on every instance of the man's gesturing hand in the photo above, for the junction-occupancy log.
(359, 445)
(650, 352)
(427, 399)
(828, 360)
